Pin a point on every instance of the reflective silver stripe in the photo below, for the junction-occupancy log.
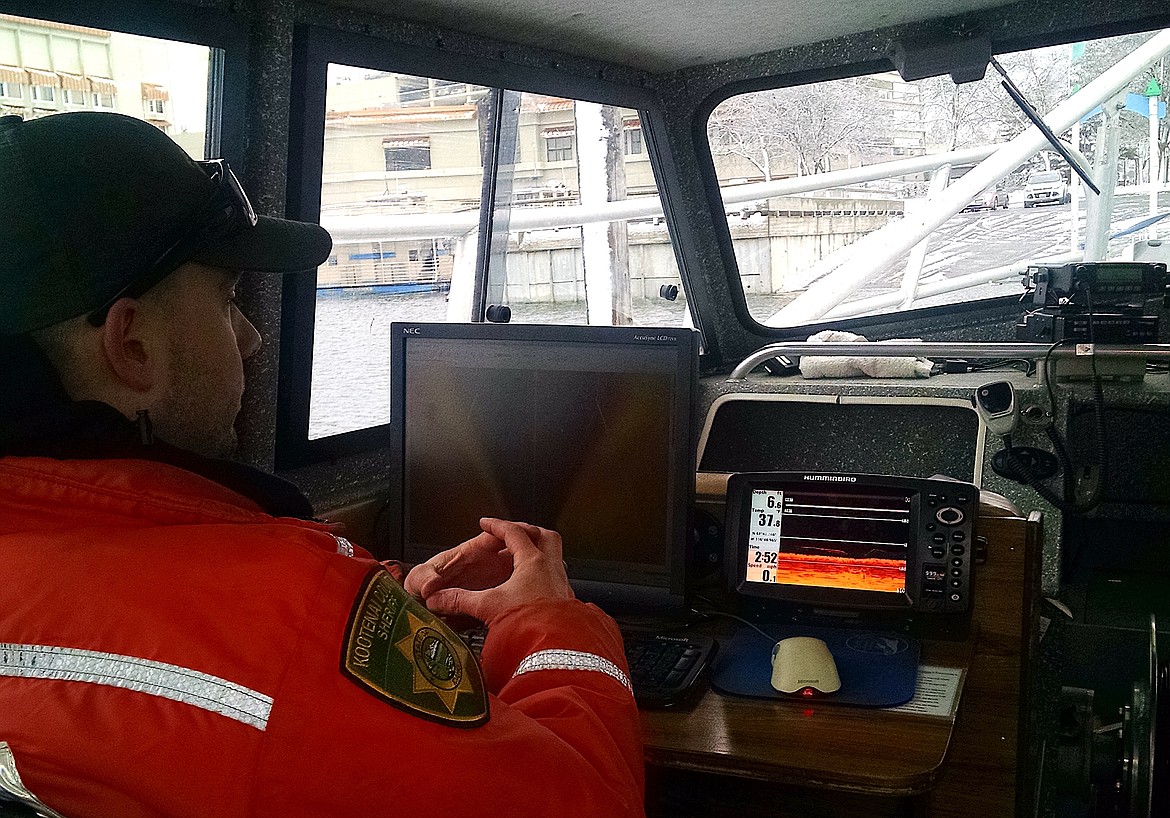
(344, 546)
(571, 660)
(179, 684)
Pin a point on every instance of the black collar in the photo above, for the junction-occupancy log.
(38, 419)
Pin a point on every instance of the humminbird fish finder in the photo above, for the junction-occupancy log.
(850, 546)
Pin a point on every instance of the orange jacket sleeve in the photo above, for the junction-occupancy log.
(557, 742)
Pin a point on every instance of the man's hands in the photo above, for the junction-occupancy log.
(507, 565)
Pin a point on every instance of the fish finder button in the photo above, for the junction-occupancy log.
(949, 515)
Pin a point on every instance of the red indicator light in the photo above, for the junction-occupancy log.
(808, 692)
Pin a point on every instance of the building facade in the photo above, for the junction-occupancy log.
(48, 68)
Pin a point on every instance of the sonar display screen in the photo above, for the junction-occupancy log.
(854, 541)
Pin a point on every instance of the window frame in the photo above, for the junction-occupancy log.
(314, 47)
(633, 141)
(43, 96)
(406, 152)
(749, 332)
(212, 28)
(559, 148)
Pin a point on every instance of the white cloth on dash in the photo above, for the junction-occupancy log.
(851, 366)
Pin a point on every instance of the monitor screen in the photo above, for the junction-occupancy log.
(584, 430)
(851, 542)
(823, 538)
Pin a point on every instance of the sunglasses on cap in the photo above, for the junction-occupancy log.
(227, 211)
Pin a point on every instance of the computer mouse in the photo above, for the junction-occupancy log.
(804, 665)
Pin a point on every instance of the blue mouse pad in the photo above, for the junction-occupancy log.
(876, 669)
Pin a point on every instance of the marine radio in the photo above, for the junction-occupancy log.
(1100, 302)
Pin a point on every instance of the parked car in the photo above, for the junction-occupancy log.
(1046, 187)
(990, 199)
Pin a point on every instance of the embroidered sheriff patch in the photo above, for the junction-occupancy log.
(399, 651)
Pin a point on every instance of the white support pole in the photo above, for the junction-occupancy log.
(1101, 207)
(1154, 163)
(462, 292)
(596, 250)
(1074, 197)
(366, 228)
(913, 274)
(883, 302)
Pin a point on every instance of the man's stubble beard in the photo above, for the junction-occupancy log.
(194, 414)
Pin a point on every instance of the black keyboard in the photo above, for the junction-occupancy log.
(666, 669)
(474, 640)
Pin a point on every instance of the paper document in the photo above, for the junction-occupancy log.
(936, 692)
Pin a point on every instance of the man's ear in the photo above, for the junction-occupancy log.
(131, 350)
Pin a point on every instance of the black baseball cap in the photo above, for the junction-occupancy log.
(98, 206)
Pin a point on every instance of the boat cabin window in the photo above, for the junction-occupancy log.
(403, 153)
(453, 201)
(825, 185)
(570, 169)
(48, 68)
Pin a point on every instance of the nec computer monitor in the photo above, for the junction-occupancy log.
(584, 430)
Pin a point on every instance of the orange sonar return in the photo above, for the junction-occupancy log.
(839, 572)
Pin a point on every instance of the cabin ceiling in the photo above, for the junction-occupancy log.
(665, 35)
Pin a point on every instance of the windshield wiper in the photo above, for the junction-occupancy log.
(1038, 121)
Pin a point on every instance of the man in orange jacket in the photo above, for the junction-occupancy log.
(178, 636)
